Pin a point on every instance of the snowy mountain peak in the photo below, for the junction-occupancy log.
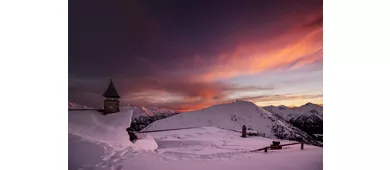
(282, 107)
(307, 117)
(310, 105)
(242, 103)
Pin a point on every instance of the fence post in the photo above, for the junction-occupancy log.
(302, 146)
(265, 150)
(243, 131)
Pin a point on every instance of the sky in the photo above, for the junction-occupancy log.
(187, 55)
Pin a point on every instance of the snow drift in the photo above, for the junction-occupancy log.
(145, 142)
(94, 126)
(107, 129)
(94, 138)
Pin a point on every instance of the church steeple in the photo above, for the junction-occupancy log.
(111, 104)
(111, 91)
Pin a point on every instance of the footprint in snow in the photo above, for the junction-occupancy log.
(116, 159)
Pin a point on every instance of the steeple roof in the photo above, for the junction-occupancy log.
(111, 91)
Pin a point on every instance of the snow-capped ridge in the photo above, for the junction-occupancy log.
(311, 105)
(307, 117)
(292, 113)
(145, 111)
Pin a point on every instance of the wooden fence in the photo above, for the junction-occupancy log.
(268, 147)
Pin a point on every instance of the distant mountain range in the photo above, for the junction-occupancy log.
(289, 113)
(153, 111)
(308, 117)
(143, 116)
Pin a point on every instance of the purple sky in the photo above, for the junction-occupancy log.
(191, 54)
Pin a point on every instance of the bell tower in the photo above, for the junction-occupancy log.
(111, 103)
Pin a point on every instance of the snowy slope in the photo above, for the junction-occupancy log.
(94, 138)
(210, 148)
(215, 142)
(292, 113)
(233, 116)
(100, 142)
(143, 111)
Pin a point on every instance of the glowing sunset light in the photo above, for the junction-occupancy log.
(173, 56)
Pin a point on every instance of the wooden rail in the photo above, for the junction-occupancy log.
(268, 147)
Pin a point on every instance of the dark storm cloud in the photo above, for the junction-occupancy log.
(110, 37)
(161, 45)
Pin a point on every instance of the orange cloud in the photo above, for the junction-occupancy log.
(314, 58)
(294, 48)
(180, 94)
(193, 106)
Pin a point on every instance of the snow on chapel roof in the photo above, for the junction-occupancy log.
(111, 91)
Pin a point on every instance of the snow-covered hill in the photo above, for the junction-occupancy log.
(233, 116)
